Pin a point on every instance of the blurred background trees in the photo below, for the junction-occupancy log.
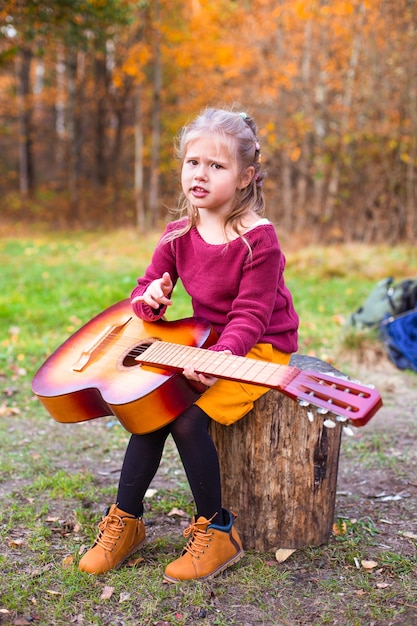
(93, 92)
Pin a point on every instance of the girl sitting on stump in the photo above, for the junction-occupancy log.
(229, 260)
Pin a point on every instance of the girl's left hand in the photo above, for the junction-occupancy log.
(190, 373)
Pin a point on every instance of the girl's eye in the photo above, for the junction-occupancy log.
(217, 166)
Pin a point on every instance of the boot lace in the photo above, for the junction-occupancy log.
(199, 539)
(109, 531)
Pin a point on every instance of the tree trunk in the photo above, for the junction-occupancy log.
(156, 121)
(72, 136)
(26, 170)
(279, 471)
(100, 76)
(139, 198)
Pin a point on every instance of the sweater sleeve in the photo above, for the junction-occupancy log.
(163, 260)
(261, 291)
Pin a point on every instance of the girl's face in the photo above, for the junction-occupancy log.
(210, 176)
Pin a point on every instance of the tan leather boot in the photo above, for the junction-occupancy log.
(120, 535)
(209, 551)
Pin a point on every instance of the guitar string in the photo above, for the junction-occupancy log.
(142, 344)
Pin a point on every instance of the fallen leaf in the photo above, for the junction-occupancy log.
(150, 493)
(382, 585)
(67, 561)
(340, 527)
(369, 565)
(178, 512)
(107, 593)
(52, 592)
(283, 554)
(16, 543)
(124, 596)
(409, 535)
(135, 562)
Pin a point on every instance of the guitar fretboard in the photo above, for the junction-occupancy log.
(176, 357)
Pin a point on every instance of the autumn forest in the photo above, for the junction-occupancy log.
(93, 93)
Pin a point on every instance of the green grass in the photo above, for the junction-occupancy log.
(50, 285)
(54, 478)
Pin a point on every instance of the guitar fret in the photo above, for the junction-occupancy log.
(214, 363)
(317, 389)
(167, 354)
(217, 364)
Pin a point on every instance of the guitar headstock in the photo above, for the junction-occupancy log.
(351, 402)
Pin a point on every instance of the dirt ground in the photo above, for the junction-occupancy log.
(384, 492)
(389, 491)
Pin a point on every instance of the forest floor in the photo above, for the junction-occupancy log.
(366, 577)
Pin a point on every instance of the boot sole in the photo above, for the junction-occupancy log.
(219, 570)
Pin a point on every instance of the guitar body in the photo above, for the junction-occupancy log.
(94, 373)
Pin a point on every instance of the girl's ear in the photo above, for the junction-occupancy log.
(247, 177)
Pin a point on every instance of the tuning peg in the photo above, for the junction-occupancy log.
(310, 416)
(322, 410)
(348, 431)
(341, 418)
(329, 423)
(304, 403)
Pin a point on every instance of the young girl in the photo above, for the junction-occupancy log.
(230, 262)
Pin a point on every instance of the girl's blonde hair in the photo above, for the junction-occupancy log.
(239, 133)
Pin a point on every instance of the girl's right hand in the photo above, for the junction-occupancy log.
(157, 292)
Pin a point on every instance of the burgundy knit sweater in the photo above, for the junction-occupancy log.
(242, 295)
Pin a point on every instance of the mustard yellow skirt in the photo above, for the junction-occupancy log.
(228, 401)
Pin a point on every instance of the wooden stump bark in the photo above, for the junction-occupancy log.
(279, 471)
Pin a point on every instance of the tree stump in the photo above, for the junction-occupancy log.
(279, 471)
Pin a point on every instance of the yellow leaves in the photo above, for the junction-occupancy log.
(313, 9)
(340, 527)
(137, 58)
(67, 561)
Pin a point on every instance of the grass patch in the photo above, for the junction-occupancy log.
(55, 479)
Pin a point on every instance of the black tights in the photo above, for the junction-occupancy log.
(198, 455)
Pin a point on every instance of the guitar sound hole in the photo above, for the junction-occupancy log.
(129, 358)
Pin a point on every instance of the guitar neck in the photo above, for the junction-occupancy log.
(228, 366)
(342, 397)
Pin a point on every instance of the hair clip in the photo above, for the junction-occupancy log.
(257, 146)
(243, 115)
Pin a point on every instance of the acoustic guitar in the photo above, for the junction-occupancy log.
(119, 365)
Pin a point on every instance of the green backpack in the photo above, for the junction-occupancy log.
(387, 299)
